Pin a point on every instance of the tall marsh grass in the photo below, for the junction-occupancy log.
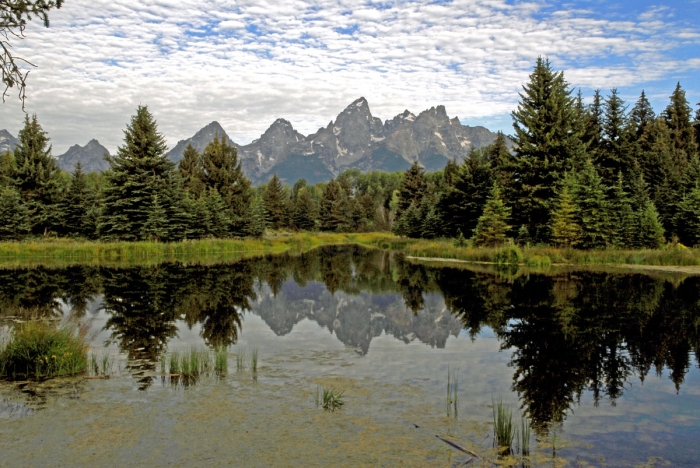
(508, 438)
(41, 350)
(452, 397)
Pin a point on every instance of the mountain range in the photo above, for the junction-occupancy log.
(356, 139)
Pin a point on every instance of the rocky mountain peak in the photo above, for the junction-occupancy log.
(7, 141)
(91, 157)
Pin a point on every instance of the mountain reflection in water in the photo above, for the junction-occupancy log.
(568, 333)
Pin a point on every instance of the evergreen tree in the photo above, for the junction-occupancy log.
(613, 155)
(412, 187)
(414, 221)
(258, 217)
(566, 232)
(192, 171)
(623, 218)
(275, 199)
(688, 218)
(333, 215)
(136, 174)
(7, 169)
(678, 116)
(546, 142)
(641, 115)
(492, 227)
(589, 196)
(697, 125)
(76, 204)
(37, 177)
(14, 218)
(593, 134)
(400, 226)
(156, 226)
(223, 173)
(178, 207)
(217, 214)
(305, 213)
(691, 177)
(651, 232)
(501, 161)
(464, 200)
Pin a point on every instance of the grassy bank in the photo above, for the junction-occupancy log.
(63, 252)
(67, 252)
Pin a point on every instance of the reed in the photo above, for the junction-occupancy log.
(254, 359)
(524, 437)
(41, 350)
(100, 365)
(221, 360)
(240, 359)
(174, 365)
(451, 399)
(504, 431)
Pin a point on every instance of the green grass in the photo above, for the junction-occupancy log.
(254, 360)
(452, 397)
(221, 360)
(329, 398)
(240, 359)
(37, 350)
(190, 365)
(61, 252)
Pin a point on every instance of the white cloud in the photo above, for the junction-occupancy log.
(248, 62)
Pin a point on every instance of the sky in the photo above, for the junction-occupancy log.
(246, 63)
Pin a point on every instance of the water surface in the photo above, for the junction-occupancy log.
(602, 363)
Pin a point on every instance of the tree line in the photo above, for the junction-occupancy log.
(580, 175)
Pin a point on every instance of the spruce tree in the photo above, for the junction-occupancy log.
(14, 218)
(137, 172)
(178, 206)
(464, 200)
(305, 213)
(414, 221)
(651, 232)
(412, 187)
(566, 232)
(678, 117)
(623, 219)
(37, 177)
(76, 203)
(613, 156)
(501, 160)
(223, 173)
(593, 134)
(546, 142)
(7, 169)
(275, 201)
(156, 226)
(641, 115)
(688, 218)
(589, 196)
(493, 227)
(333, 214)
(217, 213)
(192, 171)
(258, 217)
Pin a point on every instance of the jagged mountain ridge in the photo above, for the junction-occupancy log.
(91, 157)
(7, 142)
(356, 139)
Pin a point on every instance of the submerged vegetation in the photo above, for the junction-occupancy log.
(37, 350)
(329, 399)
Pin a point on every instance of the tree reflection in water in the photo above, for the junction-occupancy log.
(568, 333)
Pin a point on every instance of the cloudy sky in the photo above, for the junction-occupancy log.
(247, 62)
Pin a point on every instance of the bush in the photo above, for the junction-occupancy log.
(509, 254)
(39, 350)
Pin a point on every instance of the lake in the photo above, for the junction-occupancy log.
(602, 364)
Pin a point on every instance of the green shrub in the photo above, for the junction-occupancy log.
(509, 254)
(40, 350)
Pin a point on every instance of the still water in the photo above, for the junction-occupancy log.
(603, 364)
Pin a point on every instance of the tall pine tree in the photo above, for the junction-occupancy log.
(412, 187)
(492, 228)
(546, 142)
(136, 174)
(589, 196)
(223, 173)
(566, 232)
(275, 201)
(14, 218)
(77, 201)
(192, 171)
(37, 177)
(678, 116)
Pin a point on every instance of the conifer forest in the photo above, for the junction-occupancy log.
(593, 174)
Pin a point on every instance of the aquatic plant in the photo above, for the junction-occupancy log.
(329, 398)
(451, 399)
(174, 365)
(100, 365)
(221, 360)
(254, 360)
(504, 431)
(42, 350)
(240, 359)
(524, 437)
(163, 363)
